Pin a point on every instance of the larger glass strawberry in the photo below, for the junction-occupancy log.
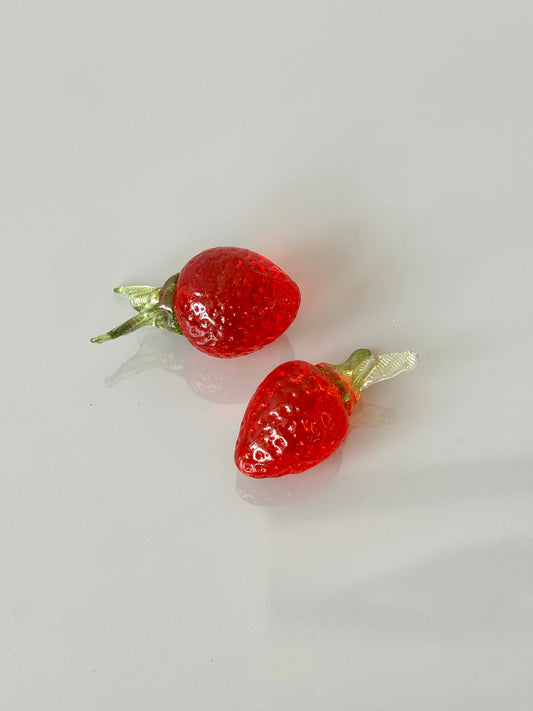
(299, 414)
(227, 301)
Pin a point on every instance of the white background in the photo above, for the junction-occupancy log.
(380, 152)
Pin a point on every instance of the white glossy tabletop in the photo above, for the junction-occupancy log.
(380, 153)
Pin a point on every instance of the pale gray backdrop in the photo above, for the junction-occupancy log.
(380, 152)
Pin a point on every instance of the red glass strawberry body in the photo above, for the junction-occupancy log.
(299, 414)
(295, 419)
(227, 301)
(230, 301)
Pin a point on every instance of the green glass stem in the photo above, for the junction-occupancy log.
(155, 306)
(362, 369)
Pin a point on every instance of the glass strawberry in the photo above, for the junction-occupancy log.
(227, 301)
(299, 414)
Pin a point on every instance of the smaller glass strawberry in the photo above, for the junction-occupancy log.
(299, 414)
(227, 301)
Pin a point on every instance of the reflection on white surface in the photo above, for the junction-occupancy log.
(366, 414)
(291, 488)
(158, 349)
(223, 380)
(233, 380)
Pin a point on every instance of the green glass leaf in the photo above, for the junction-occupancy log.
(155, 306)
(362, 369)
